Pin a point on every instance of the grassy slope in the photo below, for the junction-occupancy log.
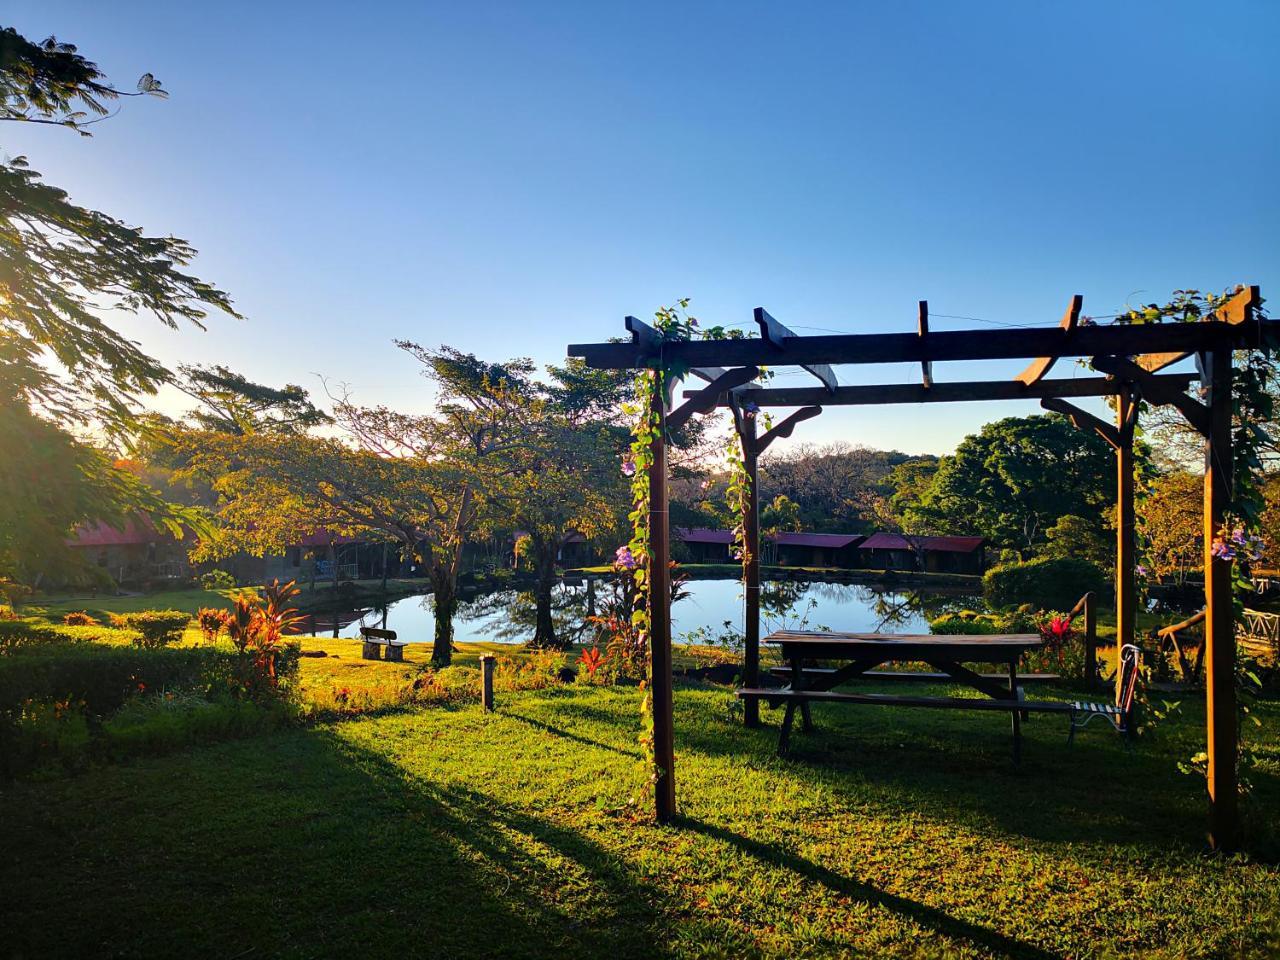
(449, 833)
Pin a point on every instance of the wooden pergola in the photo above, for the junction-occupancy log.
(1130, 356)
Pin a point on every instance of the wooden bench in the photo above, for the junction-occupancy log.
(374, 642)
(986, 704)
(919, 676)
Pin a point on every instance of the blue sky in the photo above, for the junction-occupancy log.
(509, 178)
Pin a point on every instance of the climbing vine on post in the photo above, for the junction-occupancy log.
(1238, 539)
(652, 385)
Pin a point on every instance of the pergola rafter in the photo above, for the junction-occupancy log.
(1130, 355)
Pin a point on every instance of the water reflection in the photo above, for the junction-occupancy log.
(714, 606)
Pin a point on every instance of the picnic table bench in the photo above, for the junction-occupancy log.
(374, 642)
(947, 654)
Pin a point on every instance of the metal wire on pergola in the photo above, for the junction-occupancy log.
(1129, 356)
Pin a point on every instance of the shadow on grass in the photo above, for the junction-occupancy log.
(922, 914)
(568, 735)
(958, 767)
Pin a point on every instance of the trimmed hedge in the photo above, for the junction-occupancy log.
(1051, 583)
(104, 677)
(156, 628)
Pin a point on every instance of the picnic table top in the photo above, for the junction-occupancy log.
(977, 641)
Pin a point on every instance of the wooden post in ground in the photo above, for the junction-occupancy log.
(660, 617)
(1090, 603)
(1219, 621)
(751, 570)
(1126, 546)
(487, 662)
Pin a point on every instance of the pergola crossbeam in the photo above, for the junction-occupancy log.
(922, 328)
(896, 393)
(938, 346)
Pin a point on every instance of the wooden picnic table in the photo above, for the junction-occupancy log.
(860, 653)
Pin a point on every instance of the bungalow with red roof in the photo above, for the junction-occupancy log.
(895, 551)
(816, 549)
(137, 553)
(785, 548)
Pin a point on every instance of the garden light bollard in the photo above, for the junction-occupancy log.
(486, 690)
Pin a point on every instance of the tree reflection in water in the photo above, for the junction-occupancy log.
(509, 616)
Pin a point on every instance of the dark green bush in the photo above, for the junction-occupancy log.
(156, 628)
(104, 677)
(1051, 583)
(44, 733)
(47, 692)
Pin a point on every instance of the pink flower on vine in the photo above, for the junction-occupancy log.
(628, 466)
(624, 559)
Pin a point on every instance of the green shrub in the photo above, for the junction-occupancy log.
(1052, 583)
(104, 677)
(110, 682)
(43, 732)
(16, 634)
(152, 725)
(217, 580)
(156, 628)
(954, 623)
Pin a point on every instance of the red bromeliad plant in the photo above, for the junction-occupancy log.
(591, 660)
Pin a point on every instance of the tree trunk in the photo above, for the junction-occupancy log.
(444, 601)
(544, 631)
(333, 568)
(384, 567)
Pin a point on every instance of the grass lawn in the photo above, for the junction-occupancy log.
(444, 832)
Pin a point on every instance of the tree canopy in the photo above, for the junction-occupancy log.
(1015, 478)
(64, 269)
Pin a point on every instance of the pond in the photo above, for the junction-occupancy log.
(704, 611)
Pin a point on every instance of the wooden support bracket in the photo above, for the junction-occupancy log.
(785, 428)
(1155, 390)
(922, 327)
(708, 398)
(776, 333)
(1082, 420)
(1039, 367)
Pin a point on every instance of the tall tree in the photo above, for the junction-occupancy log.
(1016, 477)
(63, 269)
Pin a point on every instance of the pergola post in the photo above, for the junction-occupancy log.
(751, 568)
(660, 616)
(1126, 546)
(1219, 622)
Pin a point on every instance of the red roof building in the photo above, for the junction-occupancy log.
(893, 551)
